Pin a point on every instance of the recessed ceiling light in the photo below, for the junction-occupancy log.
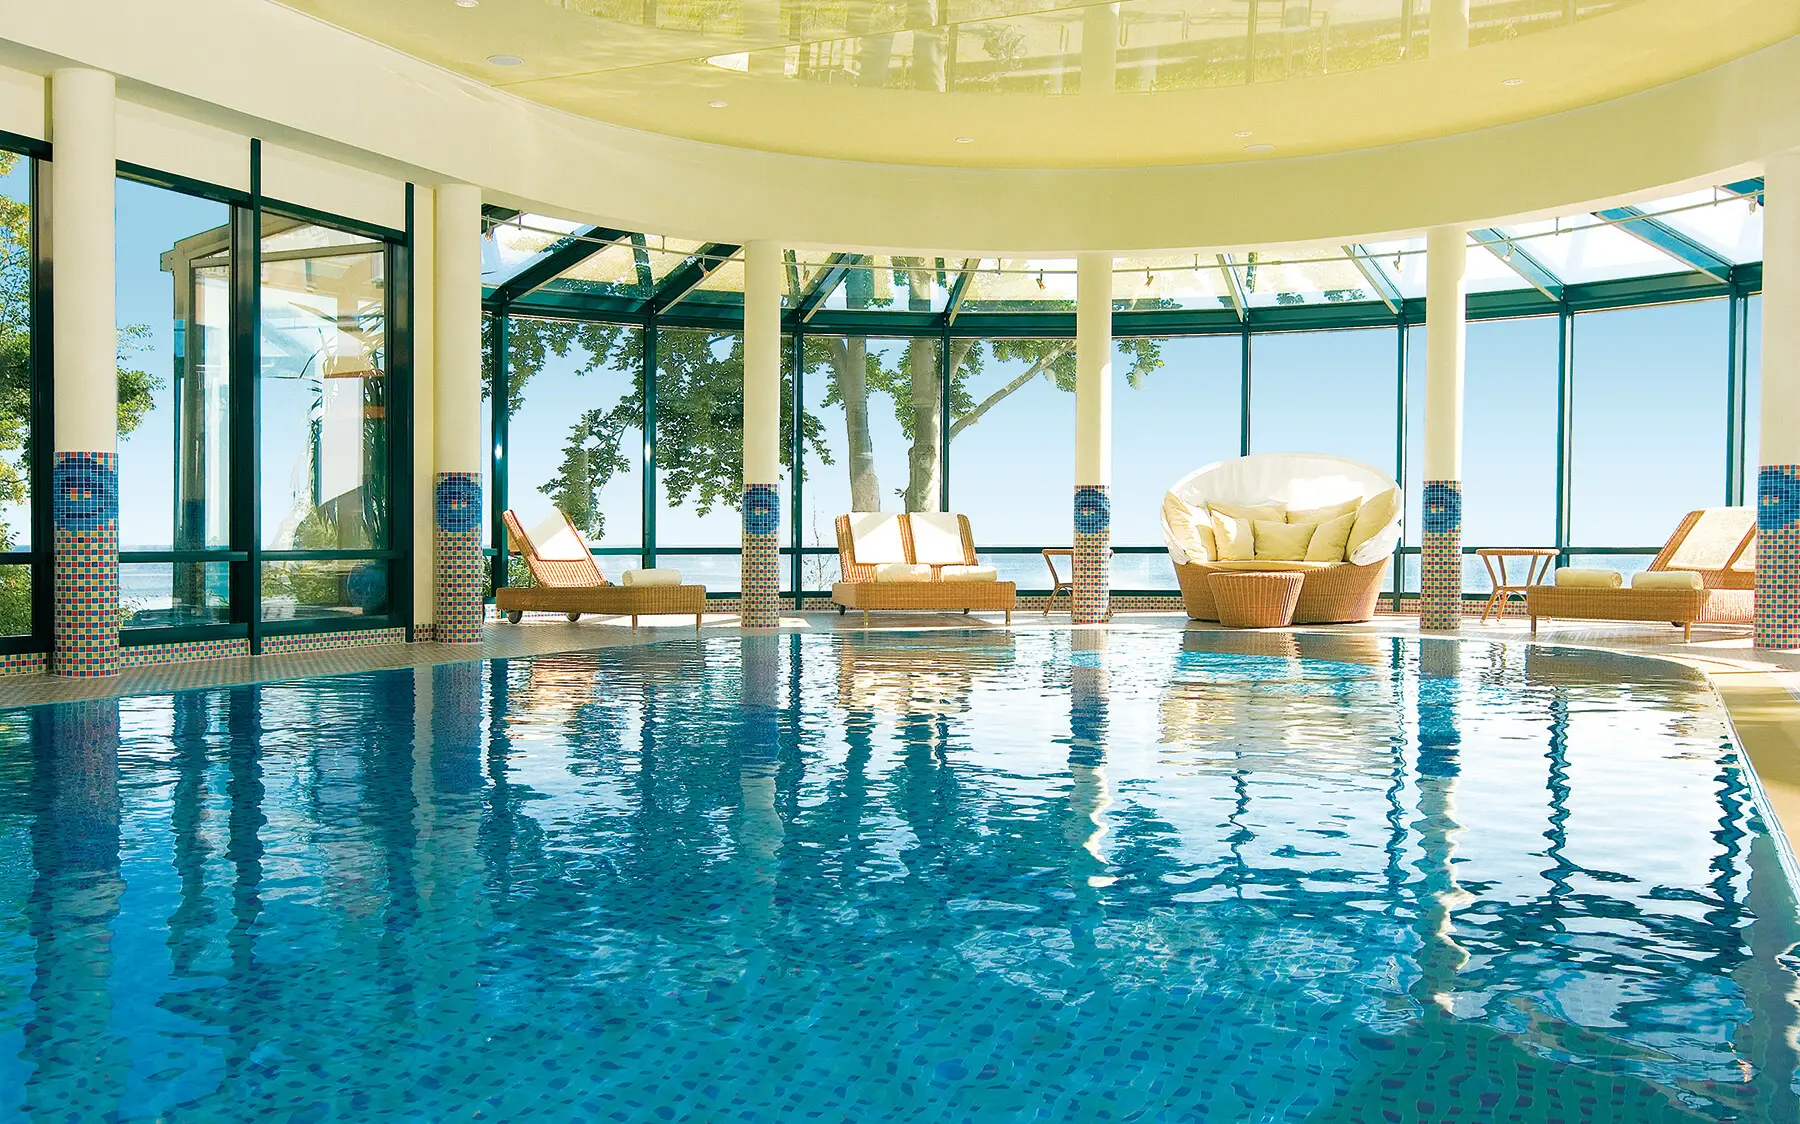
(505, 60)
(965, 140)
(1259, 148)
(1241, 133)
(718, 104)
(468, 3)
(1513, 82)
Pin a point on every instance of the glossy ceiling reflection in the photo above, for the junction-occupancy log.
(551, 264)
(1029, 83)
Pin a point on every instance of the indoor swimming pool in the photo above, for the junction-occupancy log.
(907, 876)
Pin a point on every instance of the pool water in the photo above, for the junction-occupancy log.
(913, 877)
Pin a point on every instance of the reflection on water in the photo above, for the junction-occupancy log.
(1211, 877)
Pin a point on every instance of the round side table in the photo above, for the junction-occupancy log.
(1256, 599)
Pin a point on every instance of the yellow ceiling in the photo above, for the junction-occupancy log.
(1034, 83)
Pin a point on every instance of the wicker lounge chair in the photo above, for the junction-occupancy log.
(569, 581)
(1718, 543)
(869, 540)
(1331, 592)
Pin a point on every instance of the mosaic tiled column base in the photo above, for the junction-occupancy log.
(1778, 557)
(1440, 564)
(459, 561)
(760, 602)
(1091, 597)
(85, 509)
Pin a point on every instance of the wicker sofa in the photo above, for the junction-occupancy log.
(871, 540)
(1331, 592)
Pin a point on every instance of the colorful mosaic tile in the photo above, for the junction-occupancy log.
(24, 663)
(320, 641)
(1091, 571)
(761, 596)
(1441, 569)
(85, 511)
(144, 655)
(460, 566)
(1778, 557)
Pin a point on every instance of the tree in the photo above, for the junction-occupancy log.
(136, 393)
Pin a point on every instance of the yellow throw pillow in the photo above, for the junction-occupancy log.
(1376, 513)
(1190, 527)
(1282, 542)
(1323, 514)
(1233, 538)
(1328, 541)
(1273, 512)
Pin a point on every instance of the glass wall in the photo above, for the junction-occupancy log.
(575, 432)
(173, 293)
(15, 393)
(1326, 392)
(326, 500)
(1648, 437)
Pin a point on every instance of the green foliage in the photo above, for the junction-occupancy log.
(15, 600)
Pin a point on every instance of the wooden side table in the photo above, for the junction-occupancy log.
(1255, 599)
(1057, 584)
(1538, 562)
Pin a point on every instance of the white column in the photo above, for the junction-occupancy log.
(762, 435)
(85, 496)
(1099, 49)
(85, 336)
(1446, 321)
(1091, 600)
(1449, 27)
(1778, 477)
(456, 409)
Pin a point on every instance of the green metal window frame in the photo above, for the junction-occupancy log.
(1549, 297)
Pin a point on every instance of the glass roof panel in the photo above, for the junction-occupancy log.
(1146, 281)
(1582, 249)
(1022, 285)
(1724, 224)
(615, 272)
(1302, 275)
(514, 244)
(876, 281)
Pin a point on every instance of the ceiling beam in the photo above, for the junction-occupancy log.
(1371, 271)
(824, 284)
(688, 276)
(1519, 259)
(1234, 286)
(1659, 235)
(961, 289)
(563, 254)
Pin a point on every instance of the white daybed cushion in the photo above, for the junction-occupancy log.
(1330, 540)
(554, 540)
(1667, 579)
(1233, 537)
(1281, 542)
(1323, 514)
(1376, 531)
(1291, 480)
(1571, 577)
(1189, 527)
(650, 577)
(875, 535)
(970, 574)
(937, 538)
(902, 572)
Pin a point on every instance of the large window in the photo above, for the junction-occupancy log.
(1649, 422)
(326, 479)
(575, 435)
(173, 269)
(1325, 392)
(16, 393)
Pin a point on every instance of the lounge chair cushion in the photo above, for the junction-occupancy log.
(1374, 516)
(1191, 528)
(1571, 577)
(1323, 514)
(902, 572)
(1273, 512)
(1281, 542)
(554, 540)
(1329, 541)
(937, 538)
(1713, 539)
(1233, 538)
(1667, 579)
(1267, 566)
(650, 577)
(970, 574)
(876, 538)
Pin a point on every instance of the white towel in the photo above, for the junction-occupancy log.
(970, 574)
(1569, 577)
(902, 572)
(650, 577)
(1667, 579)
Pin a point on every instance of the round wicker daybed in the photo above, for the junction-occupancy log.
(1333, 591)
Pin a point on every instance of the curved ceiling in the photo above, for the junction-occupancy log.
(1056, 84)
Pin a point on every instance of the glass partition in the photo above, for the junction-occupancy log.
(16, 391)
(1326, 392)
